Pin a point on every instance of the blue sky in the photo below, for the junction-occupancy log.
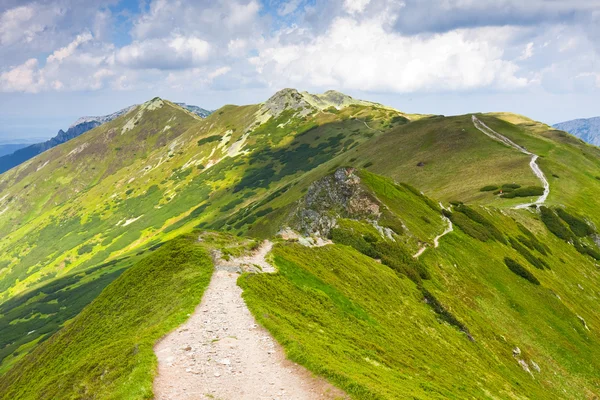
(62, 59)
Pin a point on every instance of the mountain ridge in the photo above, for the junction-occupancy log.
(77, 128)
(587, 129)
(350, 196)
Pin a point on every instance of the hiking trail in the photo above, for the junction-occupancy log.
(220, 352)
(532, 164)
(436, 240)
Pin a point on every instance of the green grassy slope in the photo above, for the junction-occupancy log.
(145, 178)
(106, 351)
(79, 214)
(122, 185)
(378, 334)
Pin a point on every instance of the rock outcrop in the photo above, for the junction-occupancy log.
(340, 195)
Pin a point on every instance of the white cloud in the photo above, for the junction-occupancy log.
(68, 50)
(23, 78)
(24, 24)
(527, 52)
(363, 56)
(178, 52)
(356, 6)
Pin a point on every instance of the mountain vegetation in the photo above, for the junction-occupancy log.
(404, 269)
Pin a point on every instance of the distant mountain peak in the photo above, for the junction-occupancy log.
(305, 103)
(587, 129)
(199, 111)
(103, 118)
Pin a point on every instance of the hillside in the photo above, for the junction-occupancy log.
(587, 130)
(405, 267)
(20, 154)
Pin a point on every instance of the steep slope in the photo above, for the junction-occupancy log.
(79, 127)
(465, 325)
(148, 175)
(586, 129)
(20, 154)
(107, 350)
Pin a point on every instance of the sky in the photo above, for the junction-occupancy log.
(63, 59)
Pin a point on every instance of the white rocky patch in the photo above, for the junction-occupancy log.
(225, 139)
(166, 128)
(78, 149)
(132, 220)
(173, 145)
(154, 104)
(236, 148)
(42, 166)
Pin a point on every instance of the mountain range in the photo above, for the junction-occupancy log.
(587, 130)
(393, 255)
(12, 155)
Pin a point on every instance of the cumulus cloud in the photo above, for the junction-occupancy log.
(355, 6)
(373, 45)
(178, 52)
(22, 78)
(68, 67)
(362, 55)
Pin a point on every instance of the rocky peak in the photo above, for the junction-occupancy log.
(305, 103)
(287, 99)
(340, 195)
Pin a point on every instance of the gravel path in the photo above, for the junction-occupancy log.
(436, 240)
(532, 164)
(221, 352)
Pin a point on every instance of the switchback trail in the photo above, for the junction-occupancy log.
(436, 240)
(532, 164)
(222, 353)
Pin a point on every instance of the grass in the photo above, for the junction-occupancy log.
(106, 351)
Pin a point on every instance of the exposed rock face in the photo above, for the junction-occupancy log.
(305, 103)
(287, 99)
(201, 112)
(340, 195)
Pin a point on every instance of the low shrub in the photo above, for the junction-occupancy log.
(528, 191)
(481, 220)
(520, 270)
(368, 164)
(209, 139)
(578, 226)
(586, 250)
(444, 313)
(533, 260)
(510, 186)
(554, 224)
(86, 248)
(489, 188)
(531, 241)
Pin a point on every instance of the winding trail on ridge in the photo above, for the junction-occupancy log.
(436, 240)
(532, 164)
(220, 352)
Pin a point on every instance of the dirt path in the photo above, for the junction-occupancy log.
(221, 352)
(532, 164)
(436, 240)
